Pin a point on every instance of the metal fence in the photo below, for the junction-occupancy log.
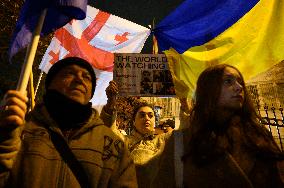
(273, 119)
(270, 108)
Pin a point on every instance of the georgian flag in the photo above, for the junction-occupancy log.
(95, 39)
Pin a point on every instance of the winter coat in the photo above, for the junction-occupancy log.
(146, 152)
(238, 167)
(29, 159)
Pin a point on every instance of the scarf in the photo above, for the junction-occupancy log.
(68, 114)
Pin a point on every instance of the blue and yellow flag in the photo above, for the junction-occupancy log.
(246, 34)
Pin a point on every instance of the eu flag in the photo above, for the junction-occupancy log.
(59, 12)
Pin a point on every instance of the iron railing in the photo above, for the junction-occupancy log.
(273, 119)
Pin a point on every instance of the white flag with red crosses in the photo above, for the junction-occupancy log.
(95, 39)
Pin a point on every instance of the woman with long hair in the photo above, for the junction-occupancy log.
(224, 145)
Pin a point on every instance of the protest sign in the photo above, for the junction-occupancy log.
(143, 75)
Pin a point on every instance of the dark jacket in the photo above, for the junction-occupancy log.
(32, 160)
(238, 167)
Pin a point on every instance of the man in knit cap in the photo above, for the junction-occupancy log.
(62, 142)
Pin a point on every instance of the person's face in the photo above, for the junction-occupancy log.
(232, 93)
(74, 82)
(144, 120)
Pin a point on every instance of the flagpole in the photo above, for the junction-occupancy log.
(31, 91)
(155, 45)
(30, 54)
(38, 82)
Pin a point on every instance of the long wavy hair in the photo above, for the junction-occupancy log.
(204, 145)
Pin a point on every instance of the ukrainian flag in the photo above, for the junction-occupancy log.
(247, 34)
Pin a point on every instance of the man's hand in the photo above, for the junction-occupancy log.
(13, 109)
(111, 92)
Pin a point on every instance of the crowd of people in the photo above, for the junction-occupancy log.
(144, 145)
(64, 142)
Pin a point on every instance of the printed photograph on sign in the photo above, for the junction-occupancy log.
(143, 75)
